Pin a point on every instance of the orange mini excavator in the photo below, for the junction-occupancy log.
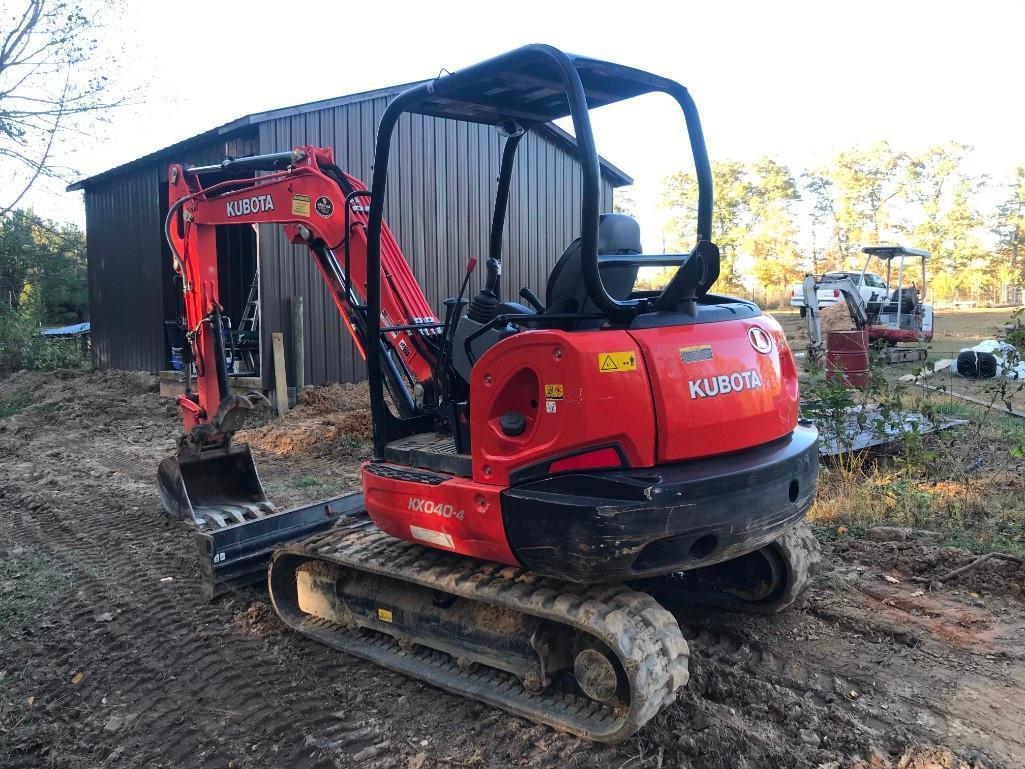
(548, 479)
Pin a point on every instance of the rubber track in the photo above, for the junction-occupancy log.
(798, 549)
(802, 555)
(645, 637)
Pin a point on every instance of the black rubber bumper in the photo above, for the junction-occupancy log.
(624, 524)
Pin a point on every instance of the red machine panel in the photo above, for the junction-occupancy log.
(578, 391)
(719, 387)
(458, 515)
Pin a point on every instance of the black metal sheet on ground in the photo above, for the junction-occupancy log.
(237, 555)
(864, 427)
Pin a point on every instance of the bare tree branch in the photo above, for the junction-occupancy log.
(52, 86)
(41, 164)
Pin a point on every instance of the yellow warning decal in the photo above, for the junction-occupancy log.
(609, 362)
(300, 205)
(554, 392)
(385, 615)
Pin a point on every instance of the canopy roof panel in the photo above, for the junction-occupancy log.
(892, 252)
(531, 92)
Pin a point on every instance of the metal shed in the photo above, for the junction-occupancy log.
(438, 206)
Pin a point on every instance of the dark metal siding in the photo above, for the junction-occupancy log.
(123, 236)
(131, 282)
(439, 205)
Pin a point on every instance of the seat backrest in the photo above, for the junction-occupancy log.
(566, 292)
(906, 298)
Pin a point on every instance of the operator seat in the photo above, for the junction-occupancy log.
(906, 299)
(566, 291)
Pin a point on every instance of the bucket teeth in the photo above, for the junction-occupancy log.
(214, 487)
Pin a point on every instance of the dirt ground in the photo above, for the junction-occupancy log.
(952, 329)
(108, 656)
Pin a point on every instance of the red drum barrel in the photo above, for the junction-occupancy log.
(847, 358)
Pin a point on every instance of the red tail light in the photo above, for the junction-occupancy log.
(836, 293)
(793, 293)
(589, 460)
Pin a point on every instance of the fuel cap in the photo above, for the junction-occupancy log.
(513, 423)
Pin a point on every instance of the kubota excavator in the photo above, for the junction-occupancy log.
(548, 479)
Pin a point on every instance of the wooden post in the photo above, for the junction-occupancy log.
(298, 345)
(280, 380)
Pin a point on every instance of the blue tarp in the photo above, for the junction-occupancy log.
(75, 330)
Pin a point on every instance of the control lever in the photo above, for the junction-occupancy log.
(532, 300)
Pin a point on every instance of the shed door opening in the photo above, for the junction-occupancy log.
(239, 287)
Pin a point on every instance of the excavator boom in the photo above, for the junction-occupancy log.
(324, 209)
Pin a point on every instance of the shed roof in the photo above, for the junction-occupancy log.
(76, 329)
(618, 177)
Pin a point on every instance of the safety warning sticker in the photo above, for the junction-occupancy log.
(554, 392)
(611, 362)
(385, 615)
(300, 205)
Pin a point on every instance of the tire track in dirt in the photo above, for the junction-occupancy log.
(185, 670)
(188, 670)
(786, 697)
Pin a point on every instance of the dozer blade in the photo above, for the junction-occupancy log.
(219, 493)
(214, 488)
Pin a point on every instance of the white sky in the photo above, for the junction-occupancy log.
(793, 80)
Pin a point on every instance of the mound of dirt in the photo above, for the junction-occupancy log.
(915, 757)
(834, 318)
(327, 420)
(931, 757)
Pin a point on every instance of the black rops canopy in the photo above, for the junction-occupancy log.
(533, 92)
(515, 92)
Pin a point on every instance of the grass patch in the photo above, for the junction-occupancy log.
(953, 409)
(13, 403)
(306, 482)
(966, 484)
(29, 584)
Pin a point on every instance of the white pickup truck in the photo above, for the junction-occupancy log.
(870, 286)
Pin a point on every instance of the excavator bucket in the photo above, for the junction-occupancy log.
(214, 488)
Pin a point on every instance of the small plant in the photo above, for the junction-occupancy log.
(14, 402)
(306, 482)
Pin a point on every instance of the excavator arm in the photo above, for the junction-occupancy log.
(322, 208)
(852, 297)
(210, 481)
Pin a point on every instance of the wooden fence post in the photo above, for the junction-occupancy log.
(298, 345)
(280, 380)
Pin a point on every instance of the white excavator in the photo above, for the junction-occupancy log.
(901, 317)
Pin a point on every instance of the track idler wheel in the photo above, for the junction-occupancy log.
(596, 675)
(793, 561)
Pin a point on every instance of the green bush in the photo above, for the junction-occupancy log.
(22, 347)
